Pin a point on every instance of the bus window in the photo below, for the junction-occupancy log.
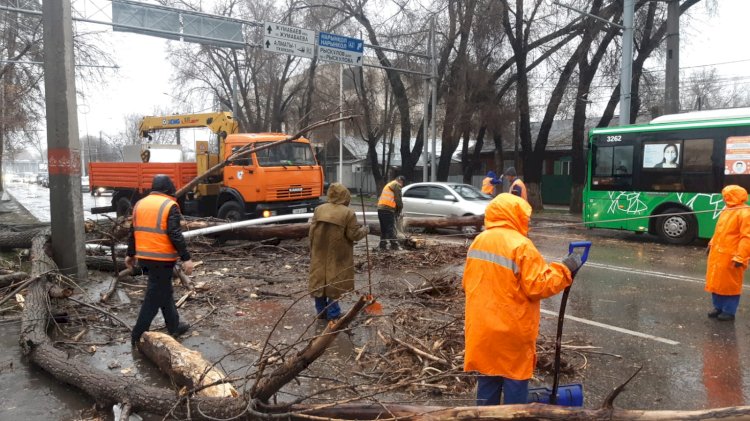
(677, 166)
(613, 167)
(698, 173)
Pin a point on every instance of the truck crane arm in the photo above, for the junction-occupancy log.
(221, 123)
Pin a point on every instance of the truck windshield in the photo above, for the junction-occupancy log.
(285, 154)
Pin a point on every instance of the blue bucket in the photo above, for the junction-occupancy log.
(567, 395)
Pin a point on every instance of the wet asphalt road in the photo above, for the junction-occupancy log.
(639, 304)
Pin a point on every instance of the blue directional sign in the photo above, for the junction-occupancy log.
(340, 49)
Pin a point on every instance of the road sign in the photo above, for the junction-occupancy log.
(282, 46)
(340, 49)
(285, 39)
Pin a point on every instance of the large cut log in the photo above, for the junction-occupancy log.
(17, 240)
(103, 263)
(185, 367)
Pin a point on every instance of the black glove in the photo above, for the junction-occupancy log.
(573, 261)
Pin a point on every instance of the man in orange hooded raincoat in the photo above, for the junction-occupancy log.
(504, 280)
(729, 250)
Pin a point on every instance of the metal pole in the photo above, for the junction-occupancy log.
(63, 144)
(672, 78)
(626, 70)
(433, 80)
(425, 124)
(341, 123)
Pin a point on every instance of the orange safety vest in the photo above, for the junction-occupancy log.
(150, 228)
(388, 197)
(518, 182)
(487, 187)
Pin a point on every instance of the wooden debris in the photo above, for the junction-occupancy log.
(185, 367)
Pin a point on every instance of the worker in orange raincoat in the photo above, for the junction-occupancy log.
(504, 280)
(728, 253)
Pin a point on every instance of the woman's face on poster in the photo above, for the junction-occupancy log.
(670, 154)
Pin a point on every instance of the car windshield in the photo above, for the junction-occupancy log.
(470, 192)
(285, 154)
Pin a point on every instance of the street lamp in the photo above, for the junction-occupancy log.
(626, 66)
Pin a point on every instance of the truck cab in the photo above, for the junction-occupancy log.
(284, 179)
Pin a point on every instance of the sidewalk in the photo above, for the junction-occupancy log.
(12, 213)
(555, 213)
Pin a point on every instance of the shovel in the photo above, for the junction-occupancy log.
(570, 394)
(374, 308)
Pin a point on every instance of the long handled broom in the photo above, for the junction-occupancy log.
(374, 308)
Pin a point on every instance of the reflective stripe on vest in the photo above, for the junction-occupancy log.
(493, 258)
(150, 216)
(388, 197)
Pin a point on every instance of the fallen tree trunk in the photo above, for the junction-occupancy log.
(10, 278)
(300, 230)
(185, 367)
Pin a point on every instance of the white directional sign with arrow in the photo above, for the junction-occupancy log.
(285, 39)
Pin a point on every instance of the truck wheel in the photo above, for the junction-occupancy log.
(231, 211)
(123, 207)
(676, 229)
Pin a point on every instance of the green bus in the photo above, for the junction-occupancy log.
(650, 177)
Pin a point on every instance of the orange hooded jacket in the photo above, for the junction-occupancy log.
(504, 279)
(730, 243)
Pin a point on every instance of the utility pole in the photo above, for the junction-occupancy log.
(672, 78)
(63, 144)
(626, 69)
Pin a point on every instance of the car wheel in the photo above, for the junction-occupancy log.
(467, 230)
(231, 211)
(123, 207)
(676, 229)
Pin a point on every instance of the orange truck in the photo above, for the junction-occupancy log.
(284, 179)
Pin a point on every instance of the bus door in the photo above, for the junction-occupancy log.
(611, 195)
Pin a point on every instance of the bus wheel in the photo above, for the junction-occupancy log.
(231, 211)
(123, 207)
(676, 229)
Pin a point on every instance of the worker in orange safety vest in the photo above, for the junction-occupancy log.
(389, 210)
(517, 187)
(489, 183)
(156, 242)
(505, 278)
(728, 253)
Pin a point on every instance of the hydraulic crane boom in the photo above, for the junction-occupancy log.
(221, 123)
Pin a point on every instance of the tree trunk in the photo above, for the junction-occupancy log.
(186, 368)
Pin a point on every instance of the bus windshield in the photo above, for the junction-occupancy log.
(286, 154)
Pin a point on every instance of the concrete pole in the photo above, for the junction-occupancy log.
(626, 70)
(63, 145)
(672, 78)
(433, 80)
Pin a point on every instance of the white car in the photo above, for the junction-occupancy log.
(443, 199)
